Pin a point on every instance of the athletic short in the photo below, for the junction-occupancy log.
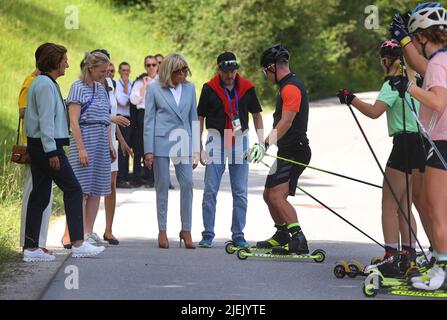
(415, 151)
(284, 171)
(433, 159)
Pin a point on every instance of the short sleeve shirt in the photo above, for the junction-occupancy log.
(99, 107)
(394, 112)
(436, 76)
(212, 109)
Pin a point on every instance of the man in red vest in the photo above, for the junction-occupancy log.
(224, 105)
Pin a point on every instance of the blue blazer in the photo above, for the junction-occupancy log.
(171, 130)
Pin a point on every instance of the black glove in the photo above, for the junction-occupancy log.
(419, 80)
(399, 29)
(345, 96)
(400, 84)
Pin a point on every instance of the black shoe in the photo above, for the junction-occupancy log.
(111, 241)
(149, 185)
(279, 239)
(171, 187)
(123, 184)
(296, 245)
(390, 269)
(137, 182)
(407, 259)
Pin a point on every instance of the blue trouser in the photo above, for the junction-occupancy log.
(238, 169)
(43, 176)
(183, 171)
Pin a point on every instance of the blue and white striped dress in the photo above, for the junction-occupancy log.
(94, 122)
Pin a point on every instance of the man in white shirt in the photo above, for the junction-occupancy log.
(123, 90)
(142, 175)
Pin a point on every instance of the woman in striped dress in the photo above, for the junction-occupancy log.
(91, 146)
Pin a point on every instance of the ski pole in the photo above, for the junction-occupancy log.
(339, 216)
(322, 170)
(387, 181)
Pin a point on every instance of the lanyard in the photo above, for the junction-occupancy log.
(436, 52)
(230, 101)
(85, 107)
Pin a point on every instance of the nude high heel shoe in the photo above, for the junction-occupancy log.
(186, 237)
(163, 242)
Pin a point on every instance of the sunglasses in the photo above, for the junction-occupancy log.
(182, 70)
(153, 65)
(265, 69)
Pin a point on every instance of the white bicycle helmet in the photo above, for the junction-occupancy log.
(427, 15)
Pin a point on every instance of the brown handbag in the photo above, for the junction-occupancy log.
(20, 153)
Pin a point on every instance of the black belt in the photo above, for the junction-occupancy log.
(91, 123)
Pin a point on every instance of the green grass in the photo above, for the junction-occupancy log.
(24, 25)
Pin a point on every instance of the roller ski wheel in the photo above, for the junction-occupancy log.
(230, 248)
(356, 269)
(376, 260)
(369, 290)
(243, 253)
(341, 269)
(320, 255)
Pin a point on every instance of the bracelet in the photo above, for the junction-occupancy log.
(405, 41)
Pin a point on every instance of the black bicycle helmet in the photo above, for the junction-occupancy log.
(390, 49)
(274, 54)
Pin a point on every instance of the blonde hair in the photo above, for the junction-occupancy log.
(396, 70)
(171, 63)
(392, 70)
(92, 60)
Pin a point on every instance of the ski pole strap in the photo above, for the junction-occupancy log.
(345, 220)
(322, 170)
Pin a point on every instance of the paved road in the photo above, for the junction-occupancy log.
(138, 270)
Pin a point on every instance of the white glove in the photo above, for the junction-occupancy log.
(256, 153)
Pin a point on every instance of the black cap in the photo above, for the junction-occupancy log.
(227, 62)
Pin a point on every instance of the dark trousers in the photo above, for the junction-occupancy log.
(42, 176)
(139, 169)
(123, 160)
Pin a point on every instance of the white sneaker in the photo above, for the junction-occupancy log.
(86, 250)
(94, 239)
(433, 280)
(38, 255)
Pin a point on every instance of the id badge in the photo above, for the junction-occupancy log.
(236, 122)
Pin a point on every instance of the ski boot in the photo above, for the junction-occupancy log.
(297, 245)
(389, 267)
(434, 279)
(279, 239)
(427, 259)
(407, 261)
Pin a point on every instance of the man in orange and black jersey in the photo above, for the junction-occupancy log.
(289, 134)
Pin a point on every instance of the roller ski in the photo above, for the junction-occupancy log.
(234, 245)
(376, 283)
(295, 249)
(353, 268)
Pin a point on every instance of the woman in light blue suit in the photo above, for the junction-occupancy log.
(171, 132)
